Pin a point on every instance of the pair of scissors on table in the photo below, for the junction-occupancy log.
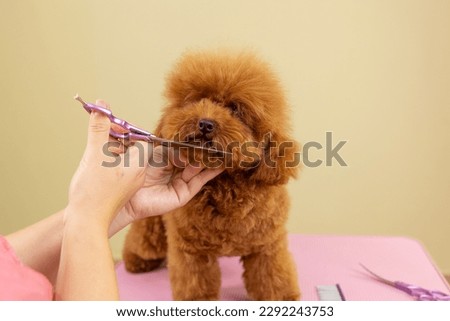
(417, 292)
(134, 133)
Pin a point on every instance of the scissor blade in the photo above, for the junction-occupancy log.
(135, 133)
(173, 143)
(376, 276)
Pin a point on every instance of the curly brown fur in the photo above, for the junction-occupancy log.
(243, 211)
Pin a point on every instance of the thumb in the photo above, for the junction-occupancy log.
(99, 126)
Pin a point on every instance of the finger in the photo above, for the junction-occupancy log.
(189, 172)
(116, 147)
(99, 126)
(139, 154)
(186, 191)
(102, 103)
(126, 142)
(161, 155)
(177, 158)
(118, 129)
(111, 150)
(197, 182)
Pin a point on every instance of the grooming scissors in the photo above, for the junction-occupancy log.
(137, 134)
(417, 292)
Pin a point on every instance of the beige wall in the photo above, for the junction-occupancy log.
(375, 73)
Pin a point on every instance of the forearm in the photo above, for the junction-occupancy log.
(86, 269)
(39, 245)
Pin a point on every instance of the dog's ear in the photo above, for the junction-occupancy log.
(158, 130)
(280, 160)
(161, 125)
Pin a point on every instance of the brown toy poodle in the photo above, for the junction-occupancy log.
(231, 101)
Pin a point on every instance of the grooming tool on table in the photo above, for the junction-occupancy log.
(330, 293)
(419, 293)
(137, 134)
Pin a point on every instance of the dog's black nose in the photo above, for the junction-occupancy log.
(206, 126)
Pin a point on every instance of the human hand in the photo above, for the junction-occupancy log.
(98, 192)
(167, 186)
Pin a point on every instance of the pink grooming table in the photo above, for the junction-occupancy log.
(321, 260)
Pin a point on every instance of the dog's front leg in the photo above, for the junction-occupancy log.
(193, 277)
(270, 275)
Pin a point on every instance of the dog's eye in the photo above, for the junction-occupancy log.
(234, 107)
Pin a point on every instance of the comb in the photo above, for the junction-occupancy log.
(330, 292)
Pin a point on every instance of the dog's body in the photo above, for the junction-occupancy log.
(225, 98)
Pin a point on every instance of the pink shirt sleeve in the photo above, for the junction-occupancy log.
(19, 282)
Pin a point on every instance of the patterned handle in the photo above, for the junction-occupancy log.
(422, 294)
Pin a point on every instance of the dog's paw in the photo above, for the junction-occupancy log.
(291, 297)
(136, 264)
(196, 297)
(274, 295)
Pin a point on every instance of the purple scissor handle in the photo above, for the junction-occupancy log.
(416, 292)
(137, 134)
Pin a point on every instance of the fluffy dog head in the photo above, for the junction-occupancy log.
(234, 102)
